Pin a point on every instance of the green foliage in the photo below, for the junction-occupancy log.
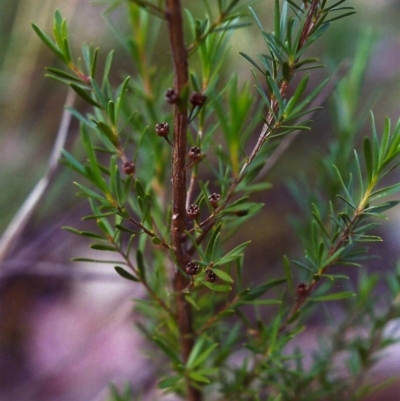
(193, 281)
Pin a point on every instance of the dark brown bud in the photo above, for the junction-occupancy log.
(197, 99)
(302, 289)
(129, 167)
(195, 154)
(162, 129)
(192, 268)
(193, 211)
(211, 277)
(214, 200)
(171, 96)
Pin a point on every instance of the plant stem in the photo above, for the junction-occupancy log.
(180, 67)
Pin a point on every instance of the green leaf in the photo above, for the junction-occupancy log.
(71, 162)
(107, 131)
(94, 63)
(198, 377)
(333, 258)
(101, 247)
(140, 264)
(387, 191)
(80, 117)
(63, 74)
(310, 97)
(171, 352)
(139, 189)
(84, 95)
(333, 297)
(301, 86)
(111, 111)
(94, 173)
(213, 244)
(339, 17)
(125, 229)
(123, 273)
(107, 67)
(217, 287)
(381, 208)
(232, 255)
(232, 27)
(88, 193)
(89, 234)
(191, 300)
(223, 275)
(168, 382)
(197, 357)
(250, 60)
(288, 274)
(116, 181)
(264, 302)
(48, 42)
(256, 292)
(333, 277)
(100, 95)
(71, 230)
(369, 162)
(119, 95)
(112, 262)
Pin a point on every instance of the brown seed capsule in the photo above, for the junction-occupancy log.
(171, 96)
(194, 153)
(214, 200)
(302, 289)
(192, 268)
(193, 211)
(129, 167)
(162, 129)
(211, 277)
(197, 99)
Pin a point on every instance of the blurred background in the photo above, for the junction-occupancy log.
(66, 329)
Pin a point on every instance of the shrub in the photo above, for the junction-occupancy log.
(174, 155)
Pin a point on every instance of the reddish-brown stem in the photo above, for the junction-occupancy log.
(180, 282)
(309, 24)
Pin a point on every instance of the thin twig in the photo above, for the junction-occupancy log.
(21, 218)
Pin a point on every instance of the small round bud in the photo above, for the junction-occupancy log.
(193, 211)
(197, 99)
(192, 268)
(214, 200)
(194, 153)
(211, 277)
(162, 129)
(128, 167)
(302, 289)
(171, 96)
